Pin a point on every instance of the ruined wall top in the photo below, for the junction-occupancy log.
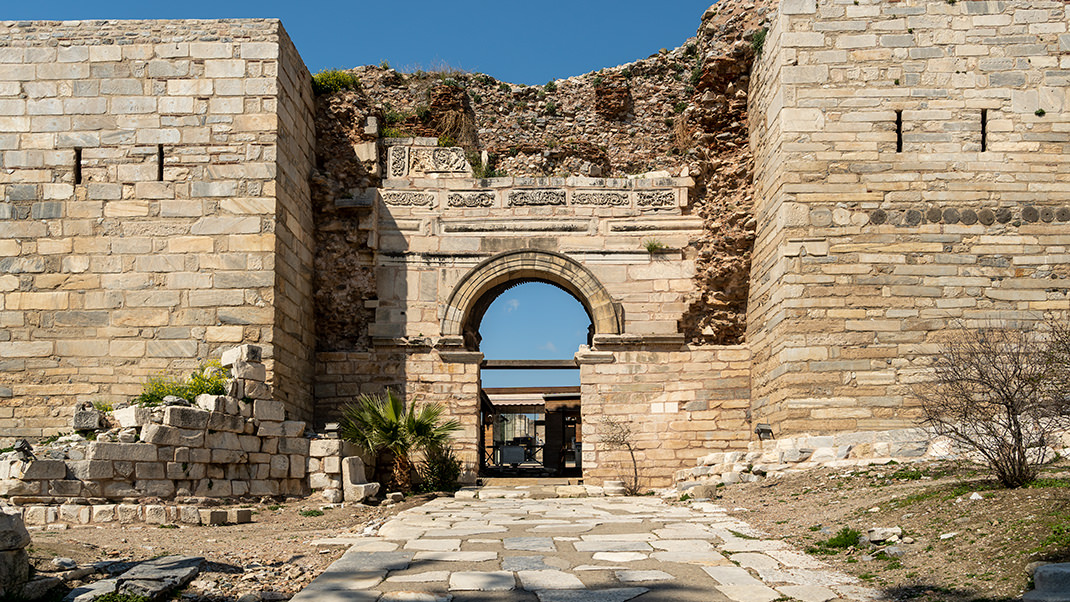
(15, 34)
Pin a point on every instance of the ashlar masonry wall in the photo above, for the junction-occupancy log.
(113, 266)
(912, 175)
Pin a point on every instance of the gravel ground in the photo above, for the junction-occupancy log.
(269, 559)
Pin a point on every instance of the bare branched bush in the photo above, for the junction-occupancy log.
(618, 435)
(1002, 393)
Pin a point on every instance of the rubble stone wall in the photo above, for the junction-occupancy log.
(885, 216)
(110, 273)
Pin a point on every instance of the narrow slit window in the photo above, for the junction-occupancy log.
(159, 163)
(77, 166)
(984, 130)
(899, 131)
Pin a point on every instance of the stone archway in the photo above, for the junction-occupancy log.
(503, 270)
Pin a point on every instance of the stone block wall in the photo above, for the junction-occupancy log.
(912, 177)
(679, 405)
(153, 204)
(226, 446)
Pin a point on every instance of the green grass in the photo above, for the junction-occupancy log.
(843, 539)
(116, 597)
(311, 513)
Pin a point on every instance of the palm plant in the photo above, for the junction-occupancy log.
(382, 424)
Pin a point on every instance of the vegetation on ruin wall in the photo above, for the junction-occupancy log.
(334, 80)
(209, 379)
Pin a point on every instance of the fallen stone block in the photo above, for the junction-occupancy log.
(266, 409)
(185, 418)
(213, 517)
(1051, 584)
(155, 578)
(219, 421)
(239, 516)
(132, 416)
(242, 353)
(85, 420)
(42, 469)
(249, 371)
(13, 533)
(131, 452)
(158, 434)
(212, 403)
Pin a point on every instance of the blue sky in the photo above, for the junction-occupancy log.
(533, 321)
(519, 42)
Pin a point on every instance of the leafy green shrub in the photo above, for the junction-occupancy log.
(551, 108)
(210, 379)
(597, 81)
(423, 114)
(504, 87)
(392, 116)
(680, 107)
(439, 470)
(311, 513)
(551, 86)
(391, 132)
(449, 81)
(330, 81)
(486, 80)
(696, 75)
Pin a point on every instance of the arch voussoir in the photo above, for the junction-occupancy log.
(514, 266)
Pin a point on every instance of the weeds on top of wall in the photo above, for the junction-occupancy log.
(330, 81)
(757, 41)
(210, 379)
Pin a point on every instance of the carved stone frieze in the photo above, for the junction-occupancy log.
(604, 199)
(408, 198)
(437, 160)
(519, 198)
(656, 198)
(470, 199)
(398, 159)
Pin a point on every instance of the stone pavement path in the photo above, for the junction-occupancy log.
(572, 550)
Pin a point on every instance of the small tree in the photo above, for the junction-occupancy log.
(384, 425)
(618, 435)
(1002, 392)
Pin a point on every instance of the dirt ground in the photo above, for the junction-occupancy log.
(270, 557)
(953, 548)
(961, 549)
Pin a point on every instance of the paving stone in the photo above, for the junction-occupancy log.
(548, 579)
(599, 567)
(751, 560)
(620, 537)
(530, 544)
(682, 545)
(425, 577)
(358, 561)
(440, 545)
(808, 593)
(619, 556)
(795, 559)
(629, 576)
(361, 544)
(730, 575)
(415, 597)
(749, 593)
(456, 556)
(482, 581)
(710, 557)
(621, 594)
(347, 580)
(313, 595)
(612, 546)
(525, 563)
